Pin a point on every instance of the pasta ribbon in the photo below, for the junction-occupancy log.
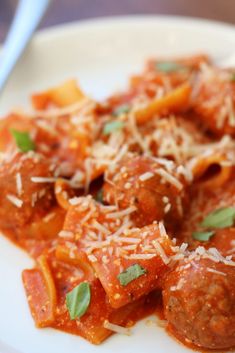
(172, 102)
(50, 285)
(78, 259)
(63, 95)
(41, 293)
(211, 171)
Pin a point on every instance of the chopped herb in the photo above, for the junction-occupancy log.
(130, 274)
(203, 236)
(23, 140)
(169, 66)
(112, 126)
(221, 218)
(122, 109)
(232, 78)
(99, 196)
(78, 300)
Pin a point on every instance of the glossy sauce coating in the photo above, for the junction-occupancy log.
(111, 194)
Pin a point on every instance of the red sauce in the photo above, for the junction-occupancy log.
(142, 173)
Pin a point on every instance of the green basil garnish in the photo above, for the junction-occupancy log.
(122, 109)
(221, 218)
(112, 126)
(169, 66)
(203, 236)
(78, 300)
(23, 140)
(130, 274)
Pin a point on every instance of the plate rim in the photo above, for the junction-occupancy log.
(58, 29)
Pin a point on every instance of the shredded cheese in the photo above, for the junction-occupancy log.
(116, 328)
(122, 213)
(43, 180)
(15, 200)
(212, 270)
(161, 252)
(146, 176)
(66, 234)
(140, 256)
(169, 178)
(19, 187)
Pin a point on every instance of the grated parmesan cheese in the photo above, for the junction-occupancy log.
(167, 208)
(49, 217)
(162, 229)
(140, 256)
(92, 258)
(122, 213)
(212, 270)
(161, 252)
(128, 240)
(178, 286)
(169, 178)
(15, 200)
(19, 187)
(100, 227)
(65, 234)
(116, 328)
(146, 176)
(43, 180)
(75, 201)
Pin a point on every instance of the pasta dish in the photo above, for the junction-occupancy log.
(127, 205)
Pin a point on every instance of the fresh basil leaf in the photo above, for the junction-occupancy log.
(23, 140)
(130, 274)
(78, 300)
(169, 66)
(221, 218)
(99, 196)
(232, 78)
(122, 109)
(112, 126)
(203, 236)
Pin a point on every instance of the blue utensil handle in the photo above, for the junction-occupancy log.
(27, 18)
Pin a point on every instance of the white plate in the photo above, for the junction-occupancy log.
(102, 54)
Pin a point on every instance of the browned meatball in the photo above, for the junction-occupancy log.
(202, 204)
(22, 200)
(154, 186)
(54, 138)
(199, 303)
(224, 241)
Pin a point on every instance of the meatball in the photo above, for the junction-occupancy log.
(154, 186)
(224, 241)
(199, 303)
(54, 138)
(19, 193)
(202, 204)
